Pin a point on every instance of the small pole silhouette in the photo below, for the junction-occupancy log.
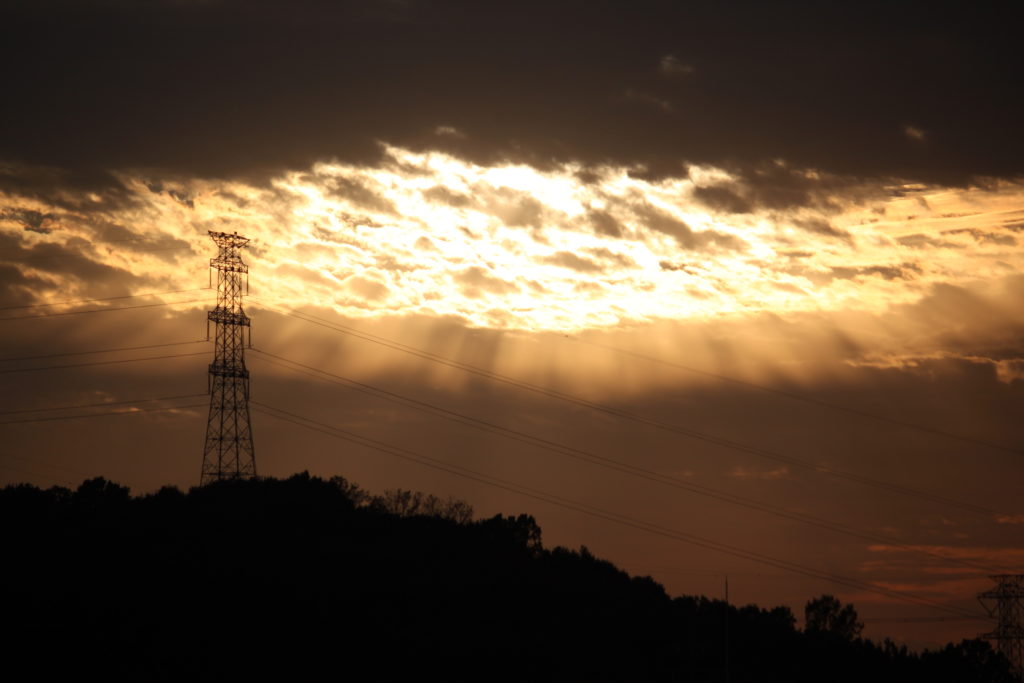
(727, 628)
(228, 453)
(1008, 611)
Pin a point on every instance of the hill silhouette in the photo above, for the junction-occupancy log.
(312, 579)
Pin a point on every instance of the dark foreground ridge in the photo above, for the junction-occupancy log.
(306, 579)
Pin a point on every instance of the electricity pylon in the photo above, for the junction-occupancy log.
(228, 453)
(1008, 611)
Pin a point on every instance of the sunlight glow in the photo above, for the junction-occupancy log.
(515, 247)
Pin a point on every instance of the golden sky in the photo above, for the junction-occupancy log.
(652, 296)
(735, 250)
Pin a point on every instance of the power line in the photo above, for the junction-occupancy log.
(610, 463)
(87, 353)
(918, 620)
(109, 298)
(711, 573)
(113, 412)
(99, 405)
(806, 399)
(46, 257)
(599, 513)
(103, 310)
(74, 417)
(104, 242)
(103, 362)
(658, 424)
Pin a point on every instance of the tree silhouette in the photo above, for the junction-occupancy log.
(304, 576)
(412, 503)
(826, 615)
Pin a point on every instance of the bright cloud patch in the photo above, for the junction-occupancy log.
(516, 247)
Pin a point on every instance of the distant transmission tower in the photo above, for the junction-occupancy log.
(228, 453)
(1008, 611)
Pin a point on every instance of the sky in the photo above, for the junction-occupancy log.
(716, 289)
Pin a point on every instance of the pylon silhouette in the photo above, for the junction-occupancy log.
(228, 453)
(1008, 611)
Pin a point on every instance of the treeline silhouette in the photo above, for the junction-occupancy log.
(312, 579)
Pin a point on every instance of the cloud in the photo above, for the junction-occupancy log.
(674, 267)
(919, 241)
(659, 220)
(74, 189)
(647, 99)
(822, 227)
(1010, 370)
(450, 131)
(901, 271)
(29, 219)
(740, 472)
(423, 243)
(358, 194)
(476, 281)
(1010, 519)
(789, 287)
(300, 87)
(19, 288)
(446, 196)
(604, 223)
(950, 589)
(777, 186)
(914, 133)
(985, 236)
(671, 66)
(366, 288)
(177, 194)
(431, 218)
(514, 207)
(985, 555)
(722, 198)
(71, 266)
(566, 259)
(612, 257)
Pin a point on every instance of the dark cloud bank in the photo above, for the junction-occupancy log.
(927, 91)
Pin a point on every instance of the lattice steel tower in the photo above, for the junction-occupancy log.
(1008, 611)
(228, 453)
